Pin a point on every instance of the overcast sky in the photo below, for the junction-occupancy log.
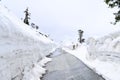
(62, 18)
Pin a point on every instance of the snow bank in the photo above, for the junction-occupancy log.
(69, 44)
(37, 70)
(105, 51)
(106, 47)
(20, 48)
(102, 55)
(109, 70)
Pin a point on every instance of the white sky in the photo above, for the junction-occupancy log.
(62, 18)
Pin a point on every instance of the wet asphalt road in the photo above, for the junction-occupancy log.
(67, 67)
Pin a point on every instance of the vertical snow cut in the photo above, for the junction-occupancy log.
(21, 49)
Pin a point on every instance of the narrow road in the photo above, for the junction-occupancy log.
(65, 66)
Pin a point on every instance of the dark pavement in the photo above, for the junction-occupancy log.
(65, 66)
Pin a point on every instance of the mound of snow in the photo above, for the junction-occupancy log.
(36, 72)
(109, 70)
(105, 48)
(104, 55)
(20, 48)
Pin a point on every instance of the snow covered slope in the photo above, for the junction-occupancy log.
(21, 48)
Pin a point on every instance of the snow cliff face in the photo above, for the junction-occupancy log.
(20, 46)
(105, 48)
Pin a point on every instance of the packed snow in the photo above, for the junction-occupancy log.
(101, 56)
(37, 70)
(23, 50)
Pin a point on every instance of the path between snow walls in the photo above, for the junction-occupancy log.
(65, 66)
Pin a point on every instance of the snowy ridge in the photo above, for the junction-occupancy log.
(21, 49)
(12, 27)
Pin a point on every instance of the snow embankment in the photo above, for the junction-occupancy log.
(37, 71)
(106, 48)
(21, 48)
(108, 69)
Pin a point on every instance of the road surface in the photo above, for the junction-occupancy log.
(65, 66)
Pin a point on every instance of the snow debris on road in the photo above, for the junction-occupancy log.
(37, 70)
(44, 61)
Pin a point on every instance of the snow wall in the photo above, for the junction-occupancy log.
(105, 48)
(20, 46)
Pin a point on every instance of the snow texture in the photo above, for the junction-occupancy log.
(22, 49)
(105, 53)
(106, 48)
(102, 55)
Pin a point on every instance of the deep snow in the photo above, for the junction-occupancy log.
(109, 69)
(22, 49)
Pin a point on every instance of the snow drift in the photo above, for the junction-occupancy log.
(104, 55)
(105, 48)
(21, 48)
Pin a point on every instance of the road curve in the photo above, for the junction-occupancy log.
(67, 67)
